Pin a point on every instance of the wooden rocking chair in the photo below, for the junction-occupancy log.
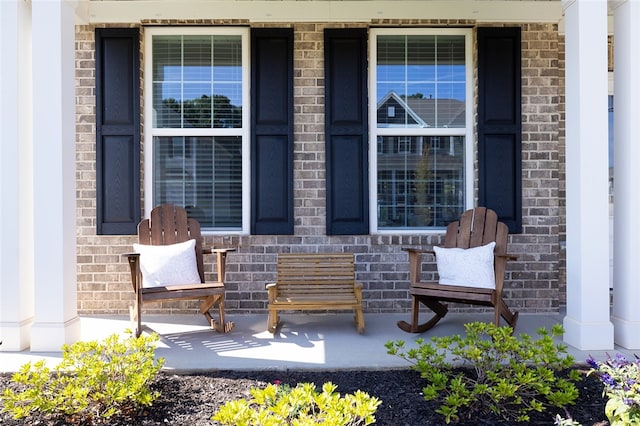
(476, 227)
(168, 226)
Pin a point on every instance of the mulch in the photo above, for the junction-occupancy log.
(191, 399)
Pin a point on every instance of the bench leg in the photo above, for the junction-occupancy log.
(359, 318)
(272, 322)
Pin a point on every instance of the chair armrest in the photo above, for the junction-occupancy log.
(272, 292)
(357, 291)
(508, 256)
(418, 250)
(415, 262)
(212, 249)
(221, 261)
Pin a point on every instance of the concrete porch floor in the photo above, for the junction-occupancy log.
(303, 341)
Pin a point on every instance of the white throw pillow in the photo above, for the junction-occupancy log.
(169, 264)
(466, 267)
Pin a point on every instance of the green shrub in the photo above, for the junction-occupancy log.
(93, 380)
(279, 405)
(510, 376)
(621, 379)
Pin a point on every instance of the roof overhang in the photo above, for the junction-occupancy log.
(134, 11)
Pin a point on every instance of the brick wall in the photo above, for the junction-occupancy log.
(532, 282)
(562, 188)
(540, 167)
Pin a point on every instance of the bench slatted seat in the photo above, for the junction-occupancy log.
(315, 281)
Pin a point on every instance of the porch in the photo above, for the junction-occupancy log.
(304, 341)
(48, 183)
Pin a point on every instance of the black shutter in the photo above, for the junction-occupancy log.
(346, 131)
(272, 131)
(499, 124)
(117, 131)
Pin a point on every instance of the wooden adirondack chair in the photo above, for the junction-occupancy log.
(476, 227)
(167, 226)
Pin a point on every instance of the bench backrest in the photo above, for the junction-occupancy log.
(330, 271)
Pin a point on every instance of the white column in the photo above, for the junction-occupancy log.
(56, 319)
(16, 232)
(626, 260)
(587, 325)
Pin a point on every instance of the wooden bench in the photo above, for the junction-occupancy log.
(318, 281)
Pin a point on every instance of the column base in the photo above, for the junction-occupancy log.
(626, 333)
(49, 337)
(588, 335)
(15, 335)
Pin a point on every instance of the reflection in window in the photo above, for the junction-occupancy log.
(423, 187)
(197, 81)
(203, 174)
(197, 136)
(421, 81)
(420, 127)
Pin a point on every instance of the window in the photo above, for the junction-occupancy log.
(197, 141)
(421, 123)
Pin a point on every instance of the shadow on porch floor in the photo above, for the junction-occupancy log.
(303, 341)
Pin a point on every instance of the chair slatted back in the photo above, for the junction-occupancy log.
(477, 227)
(169, 224)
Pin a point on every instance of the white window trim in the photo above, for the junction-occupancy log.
(375, 131)
(244, 133)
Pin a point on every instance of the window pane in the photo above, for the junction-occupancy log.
(197, 81)
(420, 181)
(167, 53)
(196, 59)
(196, 105)
(167, 78)
(226, 114)
(423, 78)
(203, 174)
(227, 82)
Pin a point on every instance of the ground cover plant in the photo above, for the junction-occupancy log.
(511, 376)
(279, 404)
(94, 382)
